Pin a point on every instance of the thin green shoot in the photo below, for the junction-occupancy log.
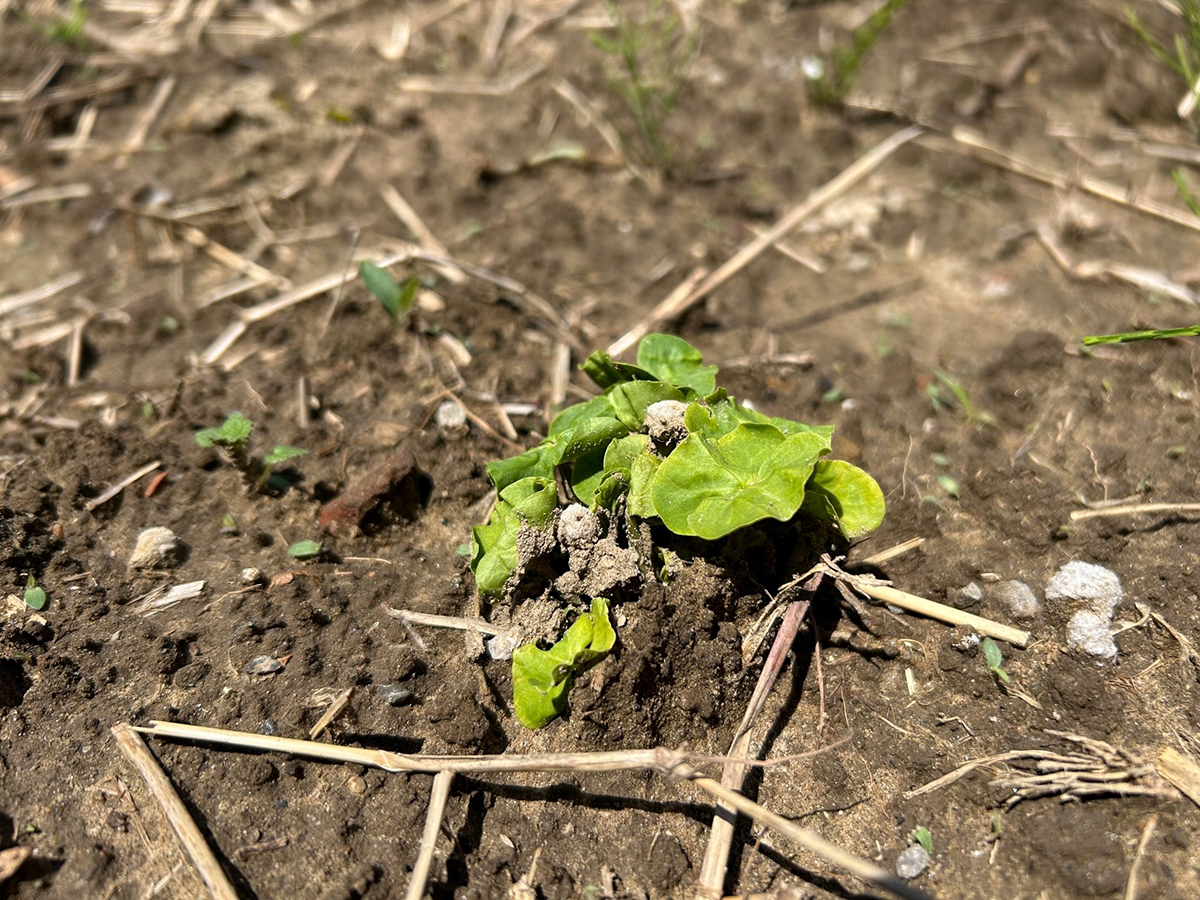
(1185, 192)
(975, 416)
(654, 59)
(233, 437)
(1185, 61)
(835, 82)
(994, 660)
(304, 549)
(924, 837)
(66, 30)
(395, 299)
(35, 597)
(1151, 334)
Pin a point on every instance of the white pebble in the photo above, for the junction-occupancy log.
(450, 415)
(1018, 598)
(912, 862)
(1098, 587)
(156, 547)
(1089, 632)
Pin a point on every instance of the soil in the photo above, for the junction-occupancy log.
(276, 147)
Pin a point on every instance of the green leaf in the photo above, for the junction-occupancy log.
(536, 463)
(641, 476)
(393, 298)
(233, 432)
(631, 399)
(586, 476)
(304, 549)
(949, 485)
(494, 545)
(922, 836)
(589, 436)
(573, 415)
(35, 597)
(991, 654)
(845, 495)
(542, 678)
(712, 488)
(618, 461)
(606, 371)
(727, 414)
(675, 361)
(282, 452)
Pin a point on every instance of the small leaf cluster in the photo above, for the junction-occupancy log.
(396, 299)
(728, 466)
(233, 437)
(542, 678)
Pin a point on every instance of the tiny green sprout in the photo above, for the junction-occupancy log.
(994, 659)
(463, 549)
(1177, 451)
(233, 438)
(228, 523)
(29, 376)
(395, 300)
(1106, 385)
(949, 485)
(940, 459)
(997, 825)
(975, 416)
(833, 395)
(35, 597)
(922, 836)
(146, 410)
(304, 549)
(233, 433)
(280, 453)
(830, 83)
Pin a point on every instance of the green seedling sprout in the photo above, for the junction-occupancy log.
(1152, 334)
(654, 59)
(924, 837)
(994, 660)
(396, 300)
(233, 437)
(35, 597)
(1185, 61)
(304, 549)
(975, 416)
(830, 86)
(709, 469)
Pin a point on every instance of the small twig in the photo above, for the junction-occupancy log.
(849, 177)
(231, 259)
(120, 486)
(1133, 509)
(332, 712)
(458, 623)
(892, 552)
(941, 612)
(428, 84)
(424, 235)
(48, 195)
(433, 821)
(1147, 833)
(189, 835)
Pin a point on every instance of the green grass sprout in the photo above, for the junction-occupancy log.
(232, 437)
(924, 837)
(395, 299)
(653, 58)
(1151, 334)
(994, 660)
(1185, 61)
(834, 82)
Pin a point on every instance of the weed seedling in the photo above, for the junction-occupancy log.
(834, 80)
(304, 549)
(35, 597)
(664, 454)
(654, 59)
(395, 300)
(232, 439)
(975, 416)
(1185, 61)
(994, 660)
(924, 837)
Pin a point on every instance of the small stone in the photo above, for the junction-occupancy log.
(157, 547)
(394, 695)
(293, 769)
(963, 639)
(664, 422)
(263, 665)
(912, 862)
(967, 596)
(357, 785)
(450, 416)
(501, 646)
(1018, 598)
(37, 629)
(1098, 587)
(269, 727)
(252, 575)
(1089, 632)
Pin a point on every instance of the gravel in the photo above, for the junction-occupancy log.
(1089, 632)
(912, 862)
(1099, 588)
(1018, 598)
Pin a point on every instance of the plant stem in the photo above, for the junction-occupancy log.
(1153, 334)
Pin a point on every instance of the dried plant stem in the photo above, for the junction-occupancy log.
(943, 613)
(892, 552)
(716, 854)
(670, 763)
(1133, 509)
(849, 177)
(433, 822)
(185, 828)
(1148, 832)
(121, 485)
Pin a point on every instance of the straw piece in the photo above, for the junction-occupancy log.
(1134, 509)
(943, 613)
(433, 821)
(849, 177)
(185, 828)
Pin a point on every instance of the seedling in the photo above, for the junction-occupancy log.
(975, 416)
(654, 60)
(1152, 334)
(395, 300)
(831, 82)
(924, 837)
(665, 448)
(1185, 61)
(994, 659)
(35, 597)
(232, 439)
(304, 549)
(542, 678)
